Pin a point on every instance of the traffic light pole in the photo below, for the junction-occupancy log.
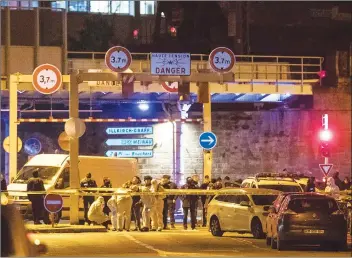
(325, 122)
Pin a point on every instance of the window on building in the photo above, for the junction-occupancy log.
(58, 4)
(147, 7)
(123, 7)
(28, 4)
(10, 3)
(78, 6)
(100, 6)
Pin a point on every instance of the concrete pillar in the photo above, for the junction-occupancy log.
(74, 152)
(36, 37)
(13, 126)
(207, 155)
(64, 68)
(7, 42)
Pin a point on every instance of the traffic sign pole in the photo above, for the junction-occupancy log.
(325, 124)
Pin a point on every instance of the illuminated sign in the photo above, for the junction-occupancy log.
(130, 153)
(130, 142)
(129, 130)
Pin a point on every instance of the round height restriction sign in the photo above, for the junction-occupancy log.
(118, 59)
(170, 87)
(222, 59)
(47, 79)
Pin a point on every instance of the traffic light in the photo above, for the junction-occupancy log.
(325, 149)
(173, 31)
(135, 33)
(325, 136)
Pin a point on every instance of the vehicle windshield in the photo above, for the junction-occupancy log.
(45, 173)
(282, 188)
(308, 205)
(264, 199)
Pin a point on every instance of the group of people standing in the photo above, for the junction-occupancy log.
(149, 212)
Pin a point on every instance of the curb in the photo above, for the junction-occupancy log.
(66, 230)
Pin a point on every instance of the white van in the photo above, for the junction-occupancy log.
(52, 167)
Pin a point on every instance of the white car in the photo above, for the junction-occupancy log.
(280, 182)
(240, 210)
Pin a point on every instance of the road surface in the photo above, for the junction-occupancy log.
(167, 243)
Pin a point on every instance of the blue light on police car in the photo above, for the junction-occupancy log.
(143, 106)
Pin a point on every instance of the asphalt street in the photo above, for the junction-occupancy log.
(167, 243)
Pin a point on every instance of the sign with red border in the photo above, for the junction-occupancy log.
(222, 60)
(326, 168)
(170, 87)
(53, 203)
(118, 59)
(47, 79)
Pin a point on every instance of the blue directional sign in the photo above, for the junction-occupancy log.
(32, 146)
(207, 140)
(130, 153)
(130, 142)
(129, 130)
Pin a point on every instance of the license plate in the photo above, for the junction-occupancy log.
(18, 208)
(313, 231)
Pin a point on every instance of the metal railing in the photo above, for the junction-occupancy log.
(250, 67)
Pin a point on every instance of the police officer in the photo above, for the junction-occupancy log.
(189, 203)
(88, 182)
(148, 202)
(203, 198)
(136, 203)
(169, 202)
(106, 184)
(36, 184)
(310, 185)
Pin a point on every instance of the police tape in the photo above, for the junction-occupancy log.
(142, 192)
(145, 192)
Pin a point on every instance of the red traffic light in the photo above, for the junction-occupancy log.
(325, 135)
(173, 31)
(322, 74)
(135, 33)
(325, 149)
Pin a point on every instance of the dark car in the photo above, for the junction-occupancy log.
(14, 238)
(306, 218)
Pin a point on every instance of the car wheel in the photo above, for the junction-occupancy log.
(257, 229)
(281, 245)
(273, 243)
(215, 228)
(268, 241)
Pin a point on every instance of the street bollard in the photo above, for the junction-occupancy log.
(52, 219)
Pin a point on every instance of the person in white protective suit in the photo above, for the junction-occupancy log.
(148, 202)
(112, 204)
(124, 207)
(158, 207)
(96, 213)
(332, 188)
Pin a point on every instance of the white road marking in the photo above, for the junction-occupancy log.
(160, 252)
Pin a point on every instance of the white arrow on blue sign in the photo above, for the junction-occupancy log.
(207, 140)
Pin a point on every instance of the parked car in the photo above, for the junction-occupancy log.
(14, 238)
(275, 181)
(243, 211)
(306, 218)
